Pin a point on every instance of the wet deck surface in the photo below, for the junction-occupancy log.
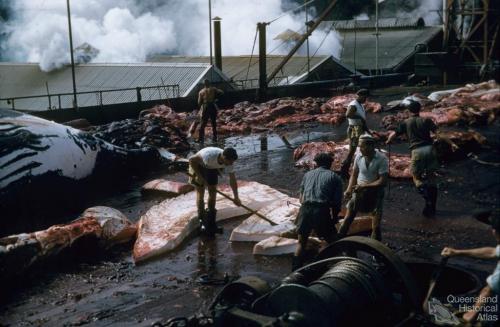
(110, 290)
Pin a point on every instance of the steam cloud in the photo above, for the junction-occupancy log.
(130, 30)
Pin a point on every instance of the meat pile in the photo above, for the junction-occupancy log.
(399, 164)
(246, 117)
(159, 126)
(465, 142)
(304, 154)
(473, 104)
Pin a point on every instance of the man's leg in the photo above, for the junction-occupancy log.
(429, 193)
(304, 228)
(204, 121)
(376, 231)
(353, 145)
(213, 120)
(346, 164)
(212, 212)
(200, 204)
(349, 216)
(298, 258)
(377, 215)
(423, 165)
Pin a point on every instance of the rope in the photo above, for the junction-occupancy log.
(320, 45)
(251, 55)
(286, 12)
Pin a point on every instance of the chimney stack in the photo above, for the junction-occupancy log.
(217, 43)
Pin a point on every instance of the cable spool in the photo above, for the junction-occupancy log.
(336, 297)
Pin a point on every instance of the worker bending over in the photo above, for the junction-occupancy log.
(204, 170)
(321, 199)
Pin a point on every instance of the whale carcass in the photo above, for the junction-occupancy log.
(163, 227)
(46, 165)
(97, 228)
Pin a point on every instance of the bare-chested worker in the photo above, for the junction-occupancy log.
(208, 110)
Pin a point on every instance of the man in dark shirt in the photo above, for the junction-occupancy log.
(424, 162)
(321, 199)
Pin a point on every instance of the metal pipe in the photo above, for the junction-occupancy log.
(75, 103)
(217, 43)
(376, 37)
(48, 94)
(262, 59)
(210, 28)
(307, 42)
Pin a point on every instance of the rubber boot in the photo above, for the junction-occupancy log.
(424, 191)
(203, 221)
(212, 228)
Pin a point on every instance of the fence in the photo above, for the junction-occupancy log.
(92, 98)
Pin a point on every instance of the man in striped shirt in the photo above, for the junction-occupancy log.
(321, 199)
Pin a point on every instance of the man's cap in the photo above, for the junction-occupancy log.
(488, 216)
(414, 106)
(363, 92)
(367, 138)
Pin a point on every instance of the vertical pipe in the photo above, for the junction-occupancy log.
(210, 28)
(485, 36)
(75, 103)
(354, 50)
(445, 24)
(217, 43)
(307, 41)
(262, 59)
(48, 94)
(376, 37)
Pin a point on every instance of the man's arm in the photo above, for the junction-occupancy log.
(352, 181)
(337, 196)
(234, 186)
(480, 253)
(200, 98)
(392, 135)
(352, 113)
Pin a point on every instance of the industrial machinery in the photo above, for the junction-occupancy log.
(356, 281)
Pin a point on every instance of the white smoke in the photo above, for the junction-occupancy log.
(429, 11)
(130, 30)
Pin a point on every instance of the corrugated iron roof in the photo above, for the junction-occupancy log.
(237, 67)
(395, 46)
(17, 80)
(383, 23)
